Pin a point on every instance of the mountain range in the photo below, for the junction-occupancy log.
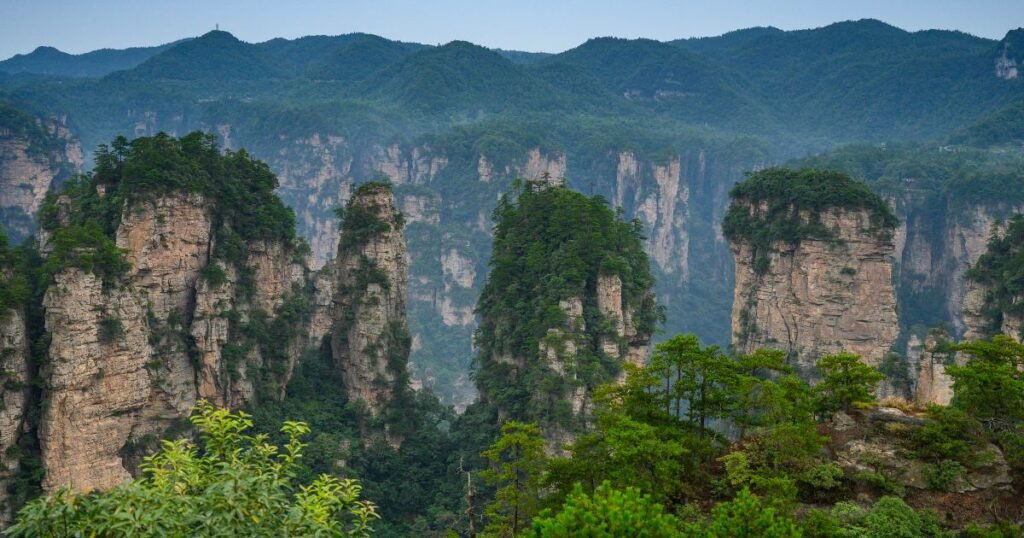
(661, 129)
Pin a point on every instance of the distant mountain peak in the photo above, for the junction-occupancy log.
(219, 35)
(464, 51)
(216, 55)
(459, 44)
(44, 49)
(1014, 39)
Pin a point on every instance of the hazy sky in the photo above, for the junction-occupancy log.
(554, 25)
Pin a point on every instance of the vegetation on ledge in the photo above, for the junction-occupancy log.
(794, 200)
(360, 222)
(85, 214)
(551, 244)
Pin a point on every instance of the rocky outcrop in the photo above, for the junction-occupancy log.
(818, 296)
(130, 358)
(1010, 58)
(33, 158)
(625, 343)
(872, 447)
(15, 398)
(370, 341)
(927, 363)
(541, 166)
(974, 316)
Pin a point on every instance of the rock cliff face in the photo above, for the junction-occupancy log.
(560, 347)
(626, 343)
(819, 296)
(33, 158)
(98, 383)
(934, 256)
(370, 341)
(130, 359)
(988, 307)
(1010, 60)
(660, 196)
(15, 397)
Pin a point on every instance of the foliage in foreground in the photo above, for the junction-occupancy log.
(235, 484)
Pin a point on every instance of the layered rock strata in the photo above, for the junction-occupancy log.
(819, 296)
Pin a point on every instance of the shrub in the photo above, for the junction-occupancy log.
(607, 513)
(213, 274)
(943, 475)
(949, 434)
(110, 329)
(748, 516)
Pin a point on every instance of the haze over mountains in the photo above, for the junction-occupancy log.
(662, 129)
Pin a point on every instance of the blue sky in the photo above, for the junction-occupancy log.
(81, 25)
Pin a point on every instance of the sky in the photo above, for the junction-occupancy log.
(78, 26)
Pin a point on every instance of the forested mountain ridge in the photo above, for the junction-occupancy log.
(660, 129)
(52, 62)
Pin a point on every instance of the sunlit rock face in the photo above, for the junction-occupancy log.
(131, 358)
(820, 296)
